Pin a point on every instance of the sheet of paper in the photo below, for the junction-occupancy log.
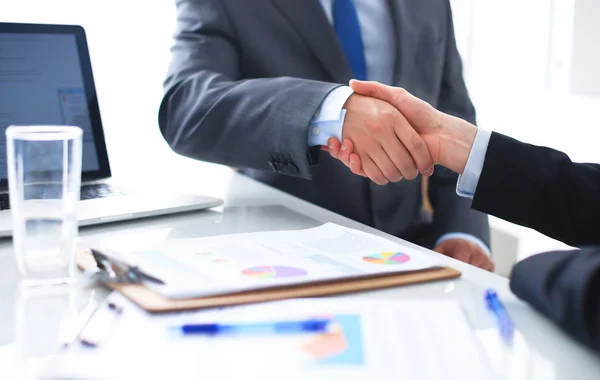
(370, 340)
(197, 267)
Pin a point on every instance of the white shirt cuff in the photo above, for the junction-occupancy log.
(329, 120)
(467, 182)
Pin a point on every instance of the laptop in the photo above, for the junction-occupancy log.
(46, 79)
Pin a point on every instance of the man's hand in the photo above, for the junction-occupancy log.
(448, 139)
(467, 252)
(389, 148)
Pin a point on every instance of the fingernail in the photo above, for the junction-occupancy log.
(331, 147)
(428, 172)
(344, 147)
(351, 162)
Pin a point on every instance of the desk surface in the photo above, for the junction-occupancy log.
(31, 324)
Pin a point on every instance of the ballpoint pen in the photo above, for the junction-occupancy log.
(95, 332)
(84, 318)
(81, 332)
(505, 323)
(283, 327)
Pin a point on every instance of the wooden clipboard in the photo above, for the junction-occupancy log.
(156, 303)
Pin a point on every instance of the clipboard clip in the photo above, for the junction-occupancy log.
(110, 269)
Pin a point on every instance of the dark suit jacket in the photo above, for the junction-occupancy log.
(247, 77)
(541, 188)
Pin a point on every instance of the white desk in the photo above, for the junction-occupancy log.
(29, 325)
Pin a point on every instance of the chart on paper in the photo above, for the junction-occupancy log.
(251, 261)
(342, 345)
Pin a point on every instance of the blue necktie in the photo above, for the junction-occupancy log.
(347, 28)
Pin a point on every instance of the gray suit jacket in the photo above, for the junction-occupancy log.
(247, 77)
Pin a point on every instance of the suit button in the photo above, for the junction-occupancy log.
(274, 166)
(291, 168)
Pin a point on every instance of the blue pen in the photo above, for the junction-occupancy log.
(287, 327)
(505, 323)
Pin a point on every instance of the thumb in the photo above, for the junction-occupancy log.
(419, 113)
(373, 89)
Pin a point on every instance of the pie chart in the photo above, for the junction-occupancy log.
(276, 271)
(387, 258)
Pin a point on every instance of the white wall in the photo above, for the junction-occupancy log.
(520, 57)
(585, 73)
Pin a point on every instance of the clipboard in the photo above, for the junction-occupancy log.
(153, 302)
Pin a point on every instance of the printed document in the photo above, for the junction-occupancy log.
(368, 340)
(240, 262)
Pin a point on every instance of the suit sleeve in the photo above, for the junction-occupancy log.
(210, 113)
(565, 287)
(540, 188)
(453, 213)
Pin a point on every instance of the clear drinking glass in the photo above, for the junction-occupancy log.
(44, 178)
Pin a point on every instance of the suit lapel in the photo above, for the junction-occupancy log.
(406, 40)
(311, 23)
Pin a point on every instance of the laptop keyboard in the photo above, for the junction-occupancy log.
(99, 190)
(95, 191)
(4, 205)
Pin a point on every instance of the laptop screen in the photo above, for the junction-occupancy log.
(42, 83)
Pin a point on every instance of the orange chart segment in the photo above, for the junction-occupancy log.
(341, 346)
(387, 258)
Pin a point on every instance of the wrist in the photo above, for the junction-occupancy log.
(352, 103)
(456, 138)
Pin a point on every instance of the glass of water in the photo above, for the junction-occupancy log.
(44, 177)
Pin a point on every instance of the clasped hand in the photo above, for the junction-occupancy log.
(388, 134)
(388, 146)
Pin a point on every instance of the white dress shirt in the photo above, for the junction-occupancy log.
(378, 34)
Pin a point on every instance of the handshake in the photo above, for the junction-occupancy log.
(390, 135)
